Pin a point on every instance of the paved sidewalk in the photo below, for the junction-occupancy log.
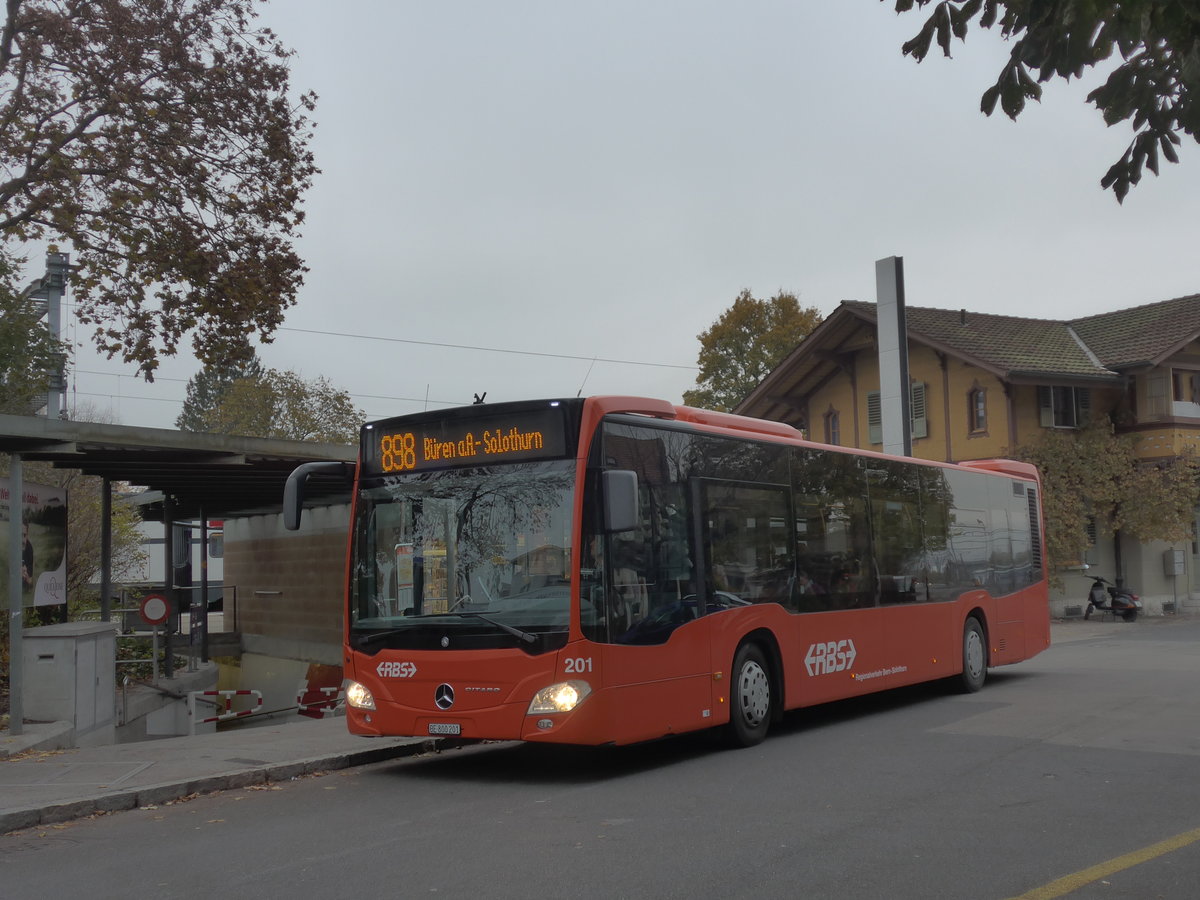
(39, 787)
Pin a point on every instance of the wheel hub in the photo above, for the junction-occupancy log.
(754, 693)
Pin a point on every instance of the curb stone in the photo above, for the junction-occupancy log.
(159, 794)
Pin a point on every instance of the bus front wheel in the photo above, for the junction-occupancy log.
(750, 697)
(974, 670)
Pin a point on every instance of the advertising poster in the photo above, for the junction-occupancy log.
(43, 560)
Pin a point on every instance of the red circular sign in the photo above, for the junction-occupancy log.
(155, 610)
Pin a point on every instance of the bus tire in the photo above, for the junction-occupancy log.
(974, 657)
(750, 698)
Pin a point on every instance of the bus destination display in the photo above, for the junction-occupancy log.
(516, 437)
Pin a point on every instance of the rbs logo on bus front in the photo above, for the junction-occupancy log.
(396, 669)
(828, 657)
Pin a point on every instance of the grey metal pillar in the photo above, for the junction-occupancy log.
(16, 655)
(203, 612)
(892, 333)
(169, 583)
(105, 549)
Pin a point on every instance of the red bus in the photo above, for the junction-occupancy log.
(614, 569)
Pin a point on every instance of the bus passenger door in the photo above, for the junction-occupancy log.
(641, 610)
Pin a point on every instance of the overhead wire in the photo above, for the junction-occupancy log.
(373, 337)
(394, 340)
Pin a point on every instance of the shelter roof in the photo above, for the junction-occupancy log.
(206, 475)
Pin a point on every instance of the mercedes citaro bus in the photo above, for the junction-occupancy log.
(616, 569)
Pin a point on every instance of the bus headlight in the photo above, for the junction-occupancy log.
(358, 696)
(559, 698)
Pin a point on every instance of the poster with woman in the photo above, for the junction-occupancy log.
(43, 555)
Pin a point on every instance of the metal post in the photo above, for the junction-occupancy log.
(203, 586)
(892, 334)
(169, 582)
(16, 657)
(105, 549)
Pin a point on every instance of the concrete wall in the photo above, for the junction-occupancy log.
(290, 585)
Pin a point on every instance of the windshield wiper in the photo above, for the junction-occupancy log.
(515, 632)
(379, 636)
(384, 635)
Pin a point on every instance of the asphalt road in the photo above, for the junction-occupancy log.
(1074, 774)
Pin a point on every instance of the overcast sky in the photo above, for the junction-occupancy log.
(598, 181)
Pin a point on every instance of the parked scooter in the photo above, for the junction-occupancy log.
(1119, 601)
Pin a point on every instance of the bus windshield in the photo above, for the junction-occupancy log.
(465, 548)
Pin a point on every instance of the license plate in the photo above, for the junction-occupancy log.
(445, 728)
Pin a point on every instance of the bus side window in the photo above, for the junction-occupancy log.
(833, 542)
(748, 542)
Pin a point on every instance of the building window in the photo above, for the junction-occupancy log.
(977, 409)
(833, 427)
(918, 421)
(1063, 407)
(1156, 394)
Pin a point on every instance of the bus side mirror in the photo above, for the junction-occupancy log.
(621, 511)
(293, 490)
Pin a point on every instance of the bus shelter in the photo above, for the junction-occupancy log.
(197, 475)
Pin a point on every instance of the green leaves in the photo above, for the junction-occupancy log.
(1154, 88)
(207, 388)
(1096, 474)
(1013, 88)
(949, 20)
(742, 347)
(282, 404)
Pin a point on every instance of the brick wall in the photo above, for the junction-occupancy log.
(290, 585)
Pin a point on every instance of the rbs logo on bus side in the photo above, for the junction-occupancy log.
(396, 669)
(826, 658)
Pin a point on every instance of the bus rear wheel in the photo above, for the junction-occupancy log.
(750, 698)
(974, 670)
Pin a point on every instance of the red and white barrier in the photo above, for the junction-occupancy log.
(228, 713)
(317, 703)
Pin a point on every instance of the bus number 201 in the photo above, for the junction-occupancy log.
(576, 664)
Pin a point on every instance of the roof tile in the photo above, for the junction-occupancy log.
(1007, 344)
(1093, 346)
